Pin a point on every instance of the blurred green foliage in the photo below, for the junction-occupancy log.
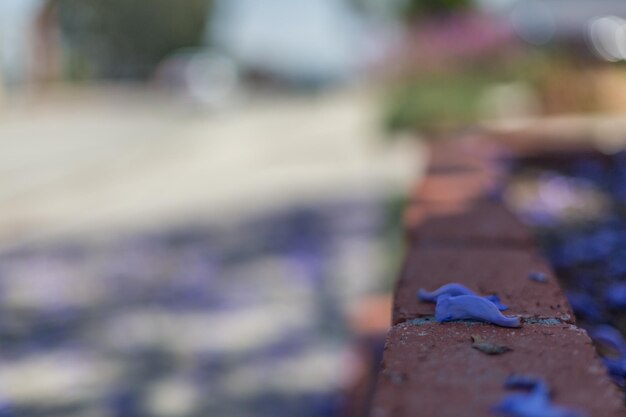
(438, 102)
(419, 8)
(127, 38)
(393, 239)
(434, 102)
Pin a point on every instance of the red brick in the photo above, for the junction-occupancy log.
(432, 370)
(371, 315)
(500, 271)
(454, 188)
(464, 154)
(476, 223)
(459, 170)
(360, 376)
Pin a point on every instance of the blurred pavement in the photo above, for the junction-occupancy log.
(235, 246)
(90, 162)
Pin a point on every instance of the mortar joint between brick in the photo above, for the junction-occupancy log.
(545, 321)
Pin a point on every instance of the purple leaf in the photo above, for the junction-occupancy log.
(471, 307)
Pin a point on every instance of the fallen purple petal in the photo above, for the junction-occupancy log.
(616, 366)
(472, 307)
(496, 300)
(535, 403)
(585, 199)
(609, 336)
(453, 290)
(527, 382)
(585, 306)
(615, 296)
(447, 289)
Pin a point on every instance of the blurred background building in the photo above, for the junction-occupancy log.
(200, 200)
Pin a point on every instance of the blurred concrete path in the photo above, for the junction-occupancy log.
(103, 160)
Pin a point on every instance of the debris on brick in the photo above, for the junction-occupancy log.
(487, 347)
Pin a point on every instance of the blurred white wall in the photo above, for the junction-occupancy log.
(308, 40)
(495, 5)
(16, 18)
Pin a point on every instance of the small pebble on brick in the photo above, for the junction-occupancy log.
(487, 347)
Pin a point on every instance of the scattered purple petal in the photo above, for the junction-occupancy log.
(453, 290)
(616, 366)
(496, 300)
(580, 214)
(535, 403)
(609, 336)
(615, 296)
(447, 289)
(585, 306)
(471, 307)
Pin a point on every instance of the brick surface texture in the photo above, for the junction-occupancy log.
(458, 231)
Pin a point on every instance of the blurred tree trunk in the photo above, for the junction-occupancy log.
(128, 38)
(46, 48)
